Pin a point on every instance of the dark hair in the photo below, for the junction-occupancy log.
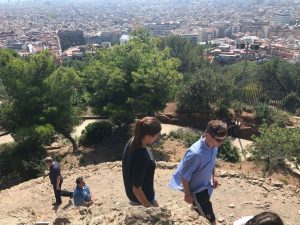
(146, 126)
(217, 128)
(79, 180)
(265, 218)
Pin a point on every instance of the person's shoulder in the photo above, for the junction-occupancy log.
(197, 147)
(140, 155)
(56, 165)
(139, 152)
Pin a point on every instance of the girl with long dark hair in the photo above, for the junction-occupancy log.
(138, 166)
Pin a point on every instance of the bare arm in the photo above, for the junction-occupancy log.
(140, 195)
(187, 193)
(215, 181)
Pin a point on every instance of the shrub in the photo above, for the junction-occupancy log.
(291, 102)
(228, 152)
(279, 117)
(263, 113)
(297, 113)
(95, 132)
(188, 137)
(22, 161)
(244, 107)
(223, 112)
(275, 145)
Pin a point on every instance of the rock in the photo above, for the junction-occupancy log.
(277, 184)
(221, 219)
(223, 173)
(266, 188)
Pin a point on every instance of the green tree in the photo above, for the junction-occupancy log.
(190, 55)
(206, 90)
(131, 79)
(278, 78)
(40, 100)
(63, 102)
(276, 146)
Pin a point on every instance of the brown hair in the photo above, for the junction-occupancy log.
(265, 218)
(142, 127)
(217, 128)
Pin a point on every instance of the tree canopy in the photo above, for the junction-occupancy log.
(41, 99)
(135, 78)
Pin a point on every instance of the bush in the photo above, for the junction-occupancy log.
(275, 145)
(228, 152)
(244, 107)
(223, 112)
(263, 114)
(291, 102)
(188, 137)
(95, 132)
(22, 161)
(297, 113)
(279, 117)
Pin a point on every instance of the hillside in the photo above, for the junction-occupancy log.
(238, 195)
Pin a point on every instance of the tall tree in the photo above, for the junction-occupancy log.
(131, 79)
(41, 99)
(63, 102)
(190, 55)
(207, 89)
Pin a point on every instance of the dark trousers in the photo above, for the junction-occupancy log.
(59, 193)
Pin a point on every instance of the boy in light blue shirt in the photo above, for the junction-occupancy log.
(82, 194)
(195, 174)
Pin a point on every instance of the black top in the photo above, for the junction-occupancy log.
(54, 173)
(138, 170)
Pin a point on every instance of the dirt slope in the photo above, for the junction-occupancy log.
(238, 195)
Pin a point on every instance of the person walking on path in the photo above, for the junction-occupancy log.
(82, 195)
(56, 180)
(138, 166)
(195, 174)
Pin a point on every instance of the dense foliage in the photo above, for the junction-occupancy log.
(228, 152)
(203, 92)
(41, 99)
(188, 137)
(95, 132)
(136, 78)
(277, 145)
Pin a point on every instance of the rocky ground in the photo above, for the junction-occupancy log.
(239, 195)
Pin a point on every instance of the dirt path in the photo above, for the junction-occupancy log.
(237, 196)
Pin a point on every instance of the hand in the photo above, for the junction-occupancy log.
(91, 202)
(188, 198)
(46, 173)
(215, 183)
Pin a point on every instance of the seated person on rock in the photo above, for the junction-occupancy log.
(82, 194)
(264, 218)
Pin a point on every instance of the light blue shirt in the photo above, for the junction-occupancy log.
(196, 167)
(81, 195)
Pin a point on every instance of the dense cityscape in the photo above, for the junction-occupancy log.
(270, 27)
